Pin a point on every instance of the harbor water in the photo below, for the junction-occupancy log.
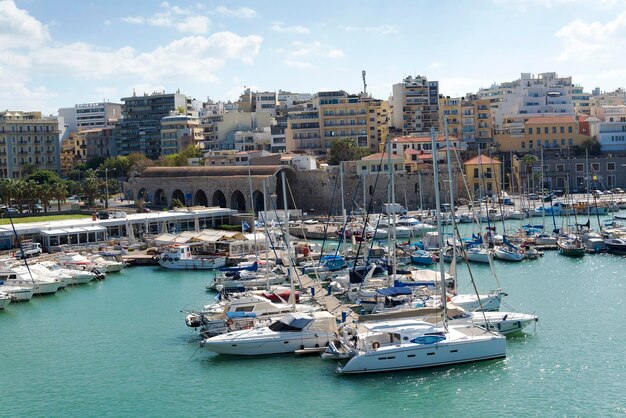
(120, 348)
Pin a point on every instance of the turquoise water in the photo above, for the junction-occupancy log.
(120, 348)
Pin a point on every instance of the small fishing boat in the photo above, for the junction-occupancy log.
(571, 247)
(422, 257)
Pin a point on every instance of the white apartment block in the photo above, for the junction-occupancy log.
(612, 135)
(531, 96)
(415, 105)
(91, 115)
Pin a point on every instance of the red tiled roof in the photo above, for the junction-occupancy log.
(483, 160)
(542, 120)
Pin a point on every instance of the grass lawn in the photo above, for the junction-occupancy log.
(5, 219)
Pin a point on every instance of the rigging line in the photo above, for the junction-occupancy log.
(330, 208)
(305, 240)
(370, 207)
(345, 225)
(19, 243)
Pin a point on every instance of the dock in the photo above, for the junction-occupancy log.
(330, 302)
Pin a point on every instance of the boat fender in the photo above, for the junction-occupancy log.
(375, 345)
(176, 259)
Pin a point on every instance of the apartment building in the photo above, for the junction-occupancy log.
(546, 132)
(612, 128)
(483, 175)
(139, 130)
(415, 105)
(28, 138)
(91, 115)
(529, 96)
(179, 132)
(73, 152)
(450, 110)
(218, 130)
(303, 132)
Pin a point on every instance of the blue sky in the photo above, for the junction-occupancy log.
(62, 52)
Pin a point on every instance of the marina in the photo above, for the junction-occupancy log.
(116, 342)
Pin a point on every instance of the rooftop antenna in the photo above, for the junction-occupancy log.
(364, 83)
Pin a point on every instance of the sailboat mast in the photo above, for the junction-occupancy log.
(343, 209)
(292, 294)
(439, 227)
(391, 208)
(452, 213)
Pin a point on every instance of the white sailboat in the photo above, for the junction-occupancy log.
(411, 343)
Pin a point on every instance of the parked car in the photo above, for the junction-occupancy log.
(597, 193)
(618, 190)
(549, 198)
(559, 193)
(37, 208)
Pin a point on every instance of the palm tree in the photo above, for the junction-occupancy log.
(6, 191)
(20, 192)
(59, 192)
(91, 186)
(45, 193)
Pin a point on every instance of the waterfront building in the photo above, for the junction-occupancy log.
(422, 144)
(415, 105)
(529, 96)
(450, 109)
(278, 141)
(91, 115)
(288, 100)
(219, 130)
(547, 132)
(484, 175)
(612, 128)
(179, 132)
(379, 162)
(139, 130)
(303, 132)
(28, 138)
(575, 173)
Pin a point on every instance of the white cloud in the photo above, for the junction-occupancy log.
(381, 30)
(316, 49)
(183, 20)
(242, 12)
(282, 28)
(587, 40)
(18, 29)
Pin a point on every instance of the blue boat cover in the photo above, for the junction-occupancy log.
(394, 291)
(241, 314)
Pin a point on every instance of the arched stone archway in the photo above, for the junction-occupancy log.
(141, 194)
(160, 198)
(238, 201)
(258, 201)
(179, 195)
(200, 199)
(218, 199)
(289, 182)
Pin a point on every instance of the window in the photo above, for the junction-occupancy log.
(562, 130)
(610, 166)
(554, 144)
(523, 144)
(475, 172)
(579, 168)
(570, 141)
(530, 143)
(545, 130)
(554, 129)
(530, 130)
(539, 142)
(595, 166)
(560, 167)
(569, 129)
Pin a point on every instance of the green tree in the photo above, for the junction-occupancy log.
(45, 193)
(346, 149)
(59, 192)
(6, 191)
(176, 204)
(44, 177)
(589, 146)
(91, 186)
(139, 162)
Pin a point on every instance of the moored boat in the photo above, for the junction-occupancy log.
(179, 257)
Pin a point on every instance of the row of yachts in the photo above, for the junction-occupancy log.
(403, 321)
(20, 280)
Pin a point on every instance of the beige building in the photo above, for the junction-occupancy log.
(179, 132)
(28, 138)
(379, 162)
(547, 132)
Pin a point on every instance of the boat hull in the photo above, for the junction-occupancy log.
(193, 264)
(416, 356)
(279, 344)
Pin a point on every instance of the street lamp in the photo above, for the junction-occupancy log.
(106, 186)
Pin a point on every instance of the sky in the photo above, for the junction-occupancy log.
(57, 53)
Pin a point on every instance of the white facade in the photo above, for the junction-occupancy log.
(259, 139)
(415, 105)
(612, 136)
(531, 96)
(287, 100)
(266, 102)
(91, 115)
